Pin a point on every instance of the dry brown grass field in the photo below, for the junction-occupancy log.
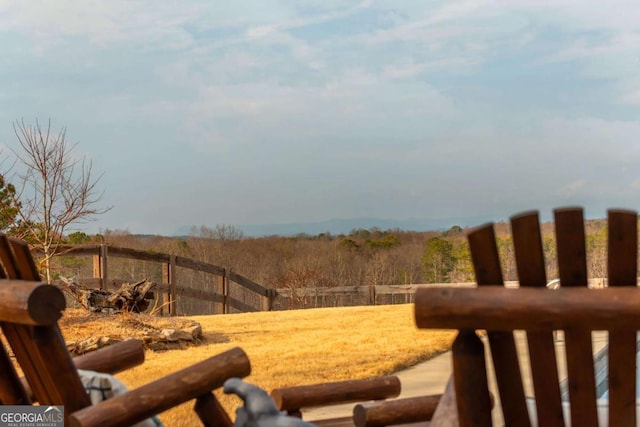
(285, 347)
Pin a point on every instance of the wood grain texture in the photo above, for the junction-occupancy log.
(12, 391)
(622, 271)
(446, 414)
(26, 268)
(398, 411)
(211, 412)
(572, 269)
(6, 259)
(167, 392)
(109, 360)
(30, 303)
(486, 264)
(114, 358)
(532, 309)
(530, 263)
(470, 378)
(306, 396)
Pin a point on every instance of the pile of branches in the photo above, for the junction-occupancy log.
(134, 297)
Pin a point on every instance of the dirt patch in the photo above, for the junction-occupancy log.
(84, 331)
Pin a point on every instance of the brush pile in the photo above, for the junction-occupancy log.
(134, 297)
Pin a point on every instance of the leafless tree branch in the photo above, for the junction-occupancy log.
(56, 188)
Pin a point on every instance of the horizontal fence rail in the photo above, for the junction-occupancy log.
(313, 297)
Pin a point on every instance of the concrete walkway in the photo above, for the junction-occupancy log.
(425, 378)
(431, 377)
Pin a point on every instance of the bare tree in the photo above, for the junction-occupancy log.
(57, 188)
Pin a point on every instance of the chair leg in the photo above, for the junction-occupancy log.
(210, 412)
(470, 377)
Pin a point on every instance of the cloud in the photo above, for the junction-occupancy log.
(330, 108)
(300, 20)
(571, 189)
(632, 98)
(44, 21)
(255, 114)
(261, 31)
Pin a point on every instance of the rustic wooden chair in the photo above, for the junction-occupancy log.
(29, 311)
(573, 307)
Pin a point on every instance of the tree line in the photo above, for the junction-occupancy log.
(362, 257)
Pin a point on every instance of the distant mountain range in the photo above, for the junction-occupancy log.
(344, 226)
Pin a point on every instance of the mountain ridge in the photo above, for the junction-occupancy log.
(344, 226)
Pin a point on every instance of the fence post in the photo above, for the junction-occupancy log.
(169, 277)
(100, 266)
(226, 306)
(372, 294)
(164, 297)
(220, 289)
(172, 284)
(267, 301)
(97, 267)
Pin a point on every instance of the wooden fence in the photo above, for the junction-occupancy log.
(232, 292)
(246, 297)
(349, 295)
(366, 295)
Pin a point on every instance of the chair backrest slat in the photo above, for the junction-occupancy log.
(23, 261)
(529, 254)
(484, 254)
(571, 245)
(59, 372)
(19, 339)
(572, 270)
(6, 259)
(486, 262)
(12, 391)
(622, 269)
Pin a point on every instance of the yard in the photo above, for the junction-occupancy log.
(285, 347)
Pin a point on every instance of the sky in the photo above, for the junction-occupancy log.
(263, 112)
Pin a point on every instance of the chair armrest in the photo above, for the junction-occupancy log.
(112, 359)
(30, 302)
(108, 360)
(165, 393)
(392, 412)
(292, 399)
